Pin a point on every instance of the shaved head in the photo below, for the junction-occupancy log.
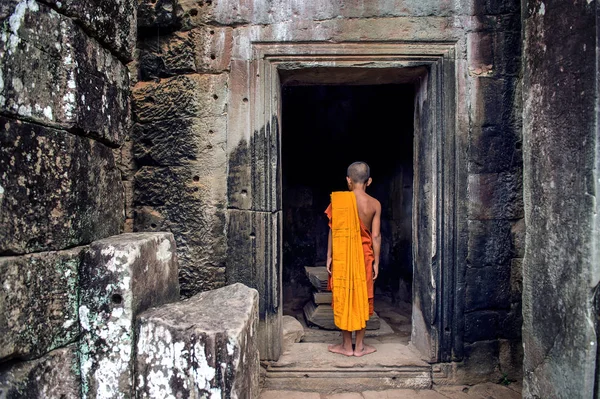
(359, 172)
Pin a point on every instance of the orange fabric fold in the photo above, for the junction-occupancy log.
(349, 280)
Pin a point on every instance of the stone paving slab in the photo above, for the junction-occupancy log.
(402, 394)
(315, 356)
(480, 391)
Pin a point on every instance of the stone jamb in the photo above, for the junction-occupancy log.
(262, 91)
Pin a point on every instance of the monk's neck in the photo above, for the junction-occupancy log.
(362, 188)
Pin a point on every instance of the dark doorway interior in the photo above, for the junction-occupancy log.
(324, 129)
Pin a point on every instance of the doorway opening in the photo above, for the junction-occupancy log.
(324, 129)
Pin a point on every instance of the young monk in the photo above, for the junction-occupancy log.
(353, 258)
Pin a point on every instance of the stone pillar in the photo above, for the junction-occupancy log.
(561, 161)
(121, 276)
(180, 107)
(204, 346)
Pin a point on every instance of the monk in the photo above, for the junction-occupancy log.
(353, 258)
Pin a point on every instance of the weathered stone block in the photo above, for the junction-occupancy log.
(182, 96)
(495, 196)
(121, 276)
(38, 303)
(494, 149)
(193, 348)
(481, 361)
(516, 280)
(191, 203)
(112, 22)
(53, 376)
(251, 259)
(487, 288)
(517, 233)
(493, 101)
(511, 359)
(511, 322)
(481, 326)
(293, 331)
(204, 49)
(54, 74)
(159, 14)
(489, 243)
(58, 190)
(480, 53)
(173, 142)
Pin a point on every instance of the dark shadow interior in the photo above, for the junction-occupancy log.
(324, 129)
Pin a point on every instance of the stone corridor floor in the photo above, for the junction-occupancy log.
(480, 391)
(310, 358)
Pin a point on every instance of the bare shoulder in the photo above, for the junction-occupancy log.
(374, 202)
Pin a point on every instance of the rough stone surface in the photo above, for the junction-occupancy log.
(57, 190)
(495, 196)
(112, 22)
(182, 96)
(53, 376)
(561, 161)
(121, 276)
(293, 331)
(183, 200)
(193, 348)
(206, 49)
(176, 142)
(52, 73)
(489, 243)
(487, 288)
(38, 303)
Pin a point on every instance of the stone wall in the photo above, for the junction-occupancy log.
(560, 269)
(178, 139)
(64, 108)
(207, 166)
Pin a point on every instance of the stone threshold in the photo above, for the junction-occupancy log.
(310, 367)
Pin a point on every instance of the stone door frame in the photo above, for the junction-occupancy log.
(254, 115)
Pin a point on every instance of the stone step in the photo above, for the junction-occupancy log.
(322, 298)
(322, 316)
(318, 276)
(311, 367)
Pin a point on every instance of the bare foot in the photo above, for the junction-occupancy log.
(366, 349)
(340, 349)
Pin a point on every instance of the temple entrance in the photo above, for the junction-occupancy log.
(324, 129)
(280, 179)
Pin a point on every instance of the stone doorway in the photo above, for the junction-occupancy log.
(324, 128)
(255, 189)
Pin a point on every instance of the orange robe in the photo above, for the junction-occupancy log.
(352, 269)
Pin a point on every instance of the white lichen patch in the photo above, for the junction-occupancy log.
(164, 359)
(163, 253)
(15, 21)
(203, 372)
(84, 317)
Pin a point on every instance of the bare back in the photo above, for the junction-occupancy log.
(369, 210)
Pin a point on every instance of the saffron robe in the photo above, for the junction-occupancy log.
(351, 281)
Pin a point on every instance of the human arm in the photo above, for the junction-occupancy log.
(329, 252)
(376, 237)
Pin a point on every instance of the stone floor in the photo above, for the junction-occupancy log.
(480, 391)
(311, 359)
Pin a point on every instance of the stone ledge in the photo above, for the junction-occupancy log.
(204, 345)
(121, 276)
